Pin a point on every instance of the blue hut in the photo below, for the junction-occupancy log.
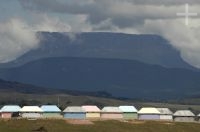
(129, 112)
(51, 111)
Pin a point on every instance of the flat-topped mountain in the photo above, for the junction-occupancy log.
(150, 49)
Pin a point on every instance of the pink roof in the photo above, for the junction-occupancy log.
(91, 108)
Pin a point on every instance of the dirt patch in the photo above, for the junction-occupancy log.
(138, 122)
(80, 122)
(133, 122)
(40, 129)
(168, 123)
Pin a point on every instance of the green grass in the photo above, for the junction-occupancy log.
(98, 126)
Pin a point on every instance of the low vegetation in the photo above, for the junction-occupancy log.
(64, 100)
(96, 126)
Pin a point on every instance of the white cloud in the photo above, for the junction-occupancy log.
(15, 39)
(183, 38)
(18, 37)
(50, 24)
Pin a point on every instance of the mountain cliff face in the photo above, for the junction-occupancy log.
(122, 78)
(150, 49)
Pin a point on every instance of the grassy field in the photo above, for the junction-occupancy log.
(98, 126)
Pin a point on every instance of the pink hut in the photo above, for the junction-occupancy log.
(111, 113)
(9, 111)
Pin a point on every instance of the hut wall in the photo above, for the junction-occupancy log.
(111, 116)
(31, 115)
(130, 115)
(149, 117)
(93, 115)
(51, 115)
(6, 115)
(184, 119)
(166, 117)
(75, 115)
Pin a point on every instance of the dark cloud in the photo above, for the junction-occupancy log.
(122, 13)
(70, 7)
(164, 2)
(143, 16)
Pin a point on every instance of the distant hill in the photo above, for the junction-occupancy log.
(150, 49)
(122, 78)
(9, 87)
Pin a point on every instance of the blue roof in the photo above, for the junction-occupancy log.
(10, 108)
(50, 108)
(128, 109)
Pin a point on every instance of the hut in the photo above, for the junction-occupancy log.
(9, 111)
(165, 114)
(184, 116)
(51, 111)
(31, 112)
(198, 117)
(129, 112)
(92, 111)
(111, 113)
(74, 112)
(148, 113)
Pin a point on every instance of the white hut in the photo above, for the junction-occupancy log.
(31, 112)
(165, 114)
(184, 116)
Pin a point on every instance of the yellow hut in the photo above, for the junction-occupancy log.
(92, 111)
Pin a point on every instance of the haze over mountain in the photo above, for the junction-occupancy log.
(150, 49)
(121, 78)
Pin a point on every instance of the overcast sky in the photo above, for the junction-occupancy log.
(20, 19)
